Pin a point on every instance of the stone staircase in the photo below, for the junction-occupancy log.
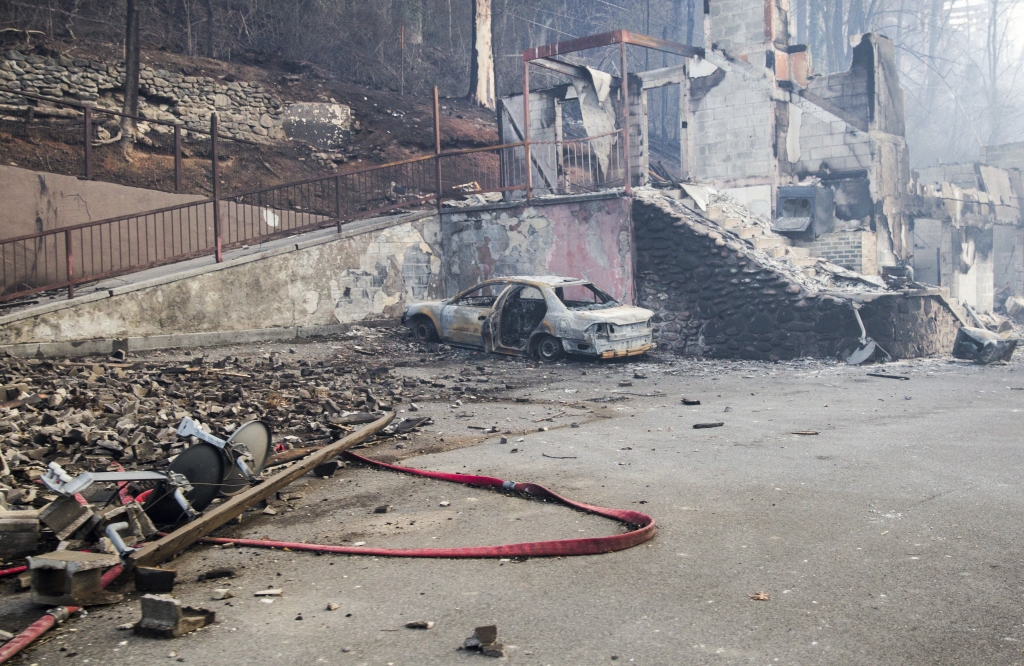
(775, 245)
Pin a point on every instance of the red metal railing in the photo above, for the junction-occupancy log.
(73, 138)
(66, 257)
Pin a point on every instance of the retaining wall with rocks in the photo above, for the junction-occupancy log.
(711, 298)
(245, 110)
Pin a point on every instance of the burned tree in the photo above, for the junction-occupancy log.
(131, 74)
(481, 76)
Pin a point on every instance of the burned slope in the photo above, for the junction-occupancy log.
(713, 296)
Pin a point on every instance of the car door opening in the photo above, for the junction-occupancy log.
(522, 313)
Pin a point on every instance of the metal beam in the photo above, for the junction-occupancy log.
(561, 67)
(608, 39)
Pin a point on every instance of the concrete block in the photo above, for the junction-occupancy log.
(71, 578)
(64, 516)
(164, 617)
(19, 534)
(150, 579)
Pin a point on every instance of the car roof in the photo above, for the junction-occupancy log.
(549, 280)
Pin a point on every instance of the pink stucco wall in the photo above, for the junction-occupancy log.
(574, 237)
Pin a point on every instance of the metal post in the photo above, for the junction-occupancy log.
(71, 268)
(401, 90)
(177, 158)
(337, 200)
(88, 143)
(437, 146)
(526, 129)
(625, 117)
(938, 266)
(216, 186)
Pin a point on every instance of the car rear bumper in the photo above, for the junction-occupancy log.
(610, 348)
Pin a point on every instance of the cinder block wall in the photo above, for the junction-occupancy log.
(827, 142)
(856, 250)
(736, 22)
(845, 90)
(712, 299)
(733, 128)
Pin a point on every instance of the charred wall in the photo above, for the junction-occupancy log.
(713, 299)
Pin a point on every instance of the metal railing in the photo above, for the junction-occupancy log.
(67, 257)
(77, 139)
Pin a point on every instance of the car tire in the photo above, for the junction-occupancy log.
(549, 349)
(423, 330)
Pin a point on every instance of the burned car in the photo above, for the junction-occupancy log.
(547, 316)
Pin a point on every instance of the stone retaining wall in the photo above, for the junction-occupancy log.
(245, 110)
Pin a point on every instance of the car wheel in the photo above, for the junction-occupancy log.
(423, 329)
(549, 349)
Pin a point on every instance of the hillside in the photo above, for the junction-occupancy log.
(390, 127)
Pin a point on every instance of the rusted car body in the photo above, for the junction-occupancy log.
(545, 315)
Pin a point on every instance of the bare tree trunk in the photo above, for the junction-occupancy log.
(209, 28)
(838, 38)
(481, 75)
(131, 74)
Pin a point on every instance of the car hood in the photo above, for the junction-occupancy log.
(619, 315)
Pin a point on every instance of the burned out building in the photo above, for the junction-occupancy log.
(823, 157)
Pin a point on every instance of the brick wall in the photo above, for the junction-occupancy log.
(855, 250)
(712, 299)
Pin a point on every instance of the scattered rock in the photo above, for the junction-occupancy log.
(272, 592)
(222, 593)
(384, 508)
(214, 574)
(333, 606)
(419, 624)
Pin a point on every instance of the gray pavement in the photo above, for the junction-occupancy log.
(892, 537)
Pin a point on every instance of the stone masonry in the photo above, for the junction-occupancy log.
(712, 298)
(245, 110)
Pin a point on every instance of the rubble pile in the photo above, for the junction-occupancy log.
(112, 414)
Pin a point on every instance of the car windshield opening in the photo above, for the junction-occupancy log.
(584, 297)
(481, 297)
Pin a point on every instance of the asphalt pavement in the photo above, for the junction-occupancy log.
(891, 535)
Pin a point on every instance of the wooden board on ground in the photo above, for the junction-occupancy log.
(183, 537)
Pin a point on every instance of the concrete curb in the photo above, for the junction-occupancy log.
(104, 347)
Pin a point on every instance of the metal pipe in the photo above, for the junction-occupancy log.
(216, 186)
(71, 266)
(526, 128)
(625, 116)
(88, 143)
(177, 158)
(112, 533)
(437, 147)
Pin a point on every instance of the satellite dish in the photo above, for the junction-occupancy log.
(255, 436)
(203, 465)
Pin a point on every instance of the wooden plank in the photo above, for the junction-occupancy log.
(183, 537)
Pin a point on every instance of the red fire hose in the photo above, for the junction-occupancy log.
(12, 571)
(642, 523)
(642, 530)
(52, 617)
